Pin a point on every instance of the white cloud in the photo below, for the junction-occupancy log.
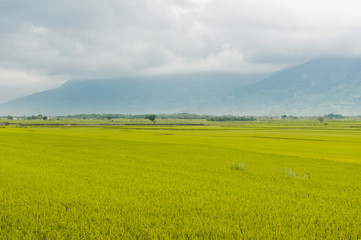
(15, 83)
(89, 38)
(15, 77)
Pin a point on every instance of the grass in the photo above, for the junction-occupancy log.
(171, 182)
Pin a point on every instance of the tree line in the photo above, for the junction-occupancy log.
(231, 118)
(151, 117)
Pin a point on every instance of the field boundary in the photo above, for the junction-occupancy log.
(104, 124)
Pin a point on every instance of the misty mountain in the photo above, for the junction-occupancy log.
(317, 87)
(320, 86)
(158, 94)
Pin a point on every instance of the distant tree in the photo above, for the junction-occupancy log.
(320, 119)
(45, 118)
(150, 117)
(10, 117)
(332, 116)
(284, 116)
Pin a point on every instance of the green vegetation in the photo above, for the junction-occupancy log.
(269, 179)
(320, 119)
(333, 116)
(176, 116)
(231, 118)
(150, 117)
(126, 116)
(237, 166)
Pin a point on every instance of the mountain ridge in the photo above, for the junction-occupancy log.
(317, 87)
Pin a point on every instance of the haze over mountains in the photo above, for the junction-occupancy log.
(159, 94)
(320, 86)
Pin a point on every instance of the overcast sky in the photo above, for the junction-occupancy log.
(44, 43)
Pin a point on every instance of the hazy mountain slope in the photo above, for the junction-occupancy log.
(316, 87)
(344, 98)
(170, 93)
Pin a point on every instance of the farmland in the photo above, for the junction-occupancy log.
(252, 180)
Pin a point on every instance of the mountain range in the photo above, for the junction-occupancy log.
(320, 86)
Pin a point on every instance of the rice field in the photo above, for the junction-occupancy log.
(258, 180)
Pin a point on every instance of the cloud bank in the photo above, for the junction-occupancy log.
(99, 39)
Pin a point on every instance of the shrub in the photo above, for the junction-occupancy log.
(289, 173)
(292, 174)
(237, 166)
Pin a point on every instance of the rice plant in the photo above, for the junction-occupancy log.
(132, 182)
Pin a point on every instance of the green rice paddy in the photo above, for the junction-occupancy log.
(258, 180)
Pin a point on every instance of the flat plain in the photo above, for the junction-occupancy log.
(291, 179)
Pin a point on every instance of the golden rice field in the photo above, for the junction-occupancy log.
(258, 180)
